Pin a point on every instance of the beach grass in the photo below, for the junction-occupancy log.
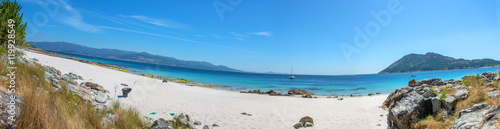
(43, 107)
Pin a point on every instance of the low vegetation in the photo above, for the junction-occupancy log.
(477, 94)
(43, 107)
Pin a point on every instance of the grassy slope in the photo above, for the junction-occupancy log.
(44, 108)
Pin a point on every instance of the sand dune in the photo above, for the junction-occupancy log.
(223, 107)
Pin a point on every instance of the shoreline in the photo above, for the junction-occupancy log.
(224, 107)
(177, 80)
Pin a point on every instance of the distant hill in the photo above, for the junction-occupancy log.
(143, 57)
(433, 61)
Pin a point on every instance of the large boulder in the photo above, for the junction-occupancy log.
(431, 82)
(436, 104)
(305, 121)
(477, 115)
(408, 109)
(94, 86)
(52, 70)
(494, 93)
(5, 103)
(408, 105)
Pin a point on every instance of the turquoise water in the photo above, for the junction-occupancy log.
(318, 84)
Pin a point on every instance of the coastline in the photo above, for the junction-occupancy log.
(223, 107)
(179, 80)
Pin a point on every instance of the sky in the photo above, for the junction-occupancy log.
(320, 37)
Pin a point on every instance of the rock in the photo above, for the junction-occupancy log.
(52, 70)
(299, 92)
(206, 127)
(5, 103)
(377, 93)
(160, 124)
(494, 94)
(183, 119)
(94, 86)
(335, 97)
(489, 75)
(306, 96)
(329, 97)
(436, 104)
(80, 91)
(101, 98)
(243, 113)
(188, 118)
(461, 93)
(474, 116)
(341, 99)
(306, 119)
(371, 94)
(431, 81)
(489, 84)
(409, 109)
(449, 103)
(215, 125)
(197, 123)
(298, 125)
(412, 83)
(249, 114)
(164, 81)
(308, 124)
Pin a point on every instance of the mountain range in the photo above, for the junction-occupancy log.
(143, 57)
(433, 61)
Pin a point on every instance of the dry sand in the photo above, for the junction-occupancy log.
(223, 107)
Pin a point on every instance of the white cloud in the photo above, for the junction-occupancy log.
(73, 18)
(238, 36)
(264, 33)
(153, 21)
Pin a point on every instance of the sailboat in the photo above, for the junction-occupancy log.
(291, 74)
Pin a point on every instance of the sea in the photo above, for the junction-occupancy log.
(325, 85)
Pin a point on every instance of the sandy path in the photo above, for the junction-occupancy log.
(224, 107)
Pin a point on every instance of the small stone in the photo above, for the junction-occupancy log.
(329, 97)
(206, 127)
(379, 124)
(197, 123)
(341, 99)
(243, 113)
(215, 125)
(306, 119)
(249, 114)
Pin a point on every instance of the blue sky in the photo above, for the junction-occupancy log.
(316, 37)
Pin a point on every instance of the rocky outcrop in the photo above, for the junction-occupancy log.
(429, 96)
(270, 92)
(409, 104)
(477, 115)
(89, 91)
(184, 120)
(299, 92)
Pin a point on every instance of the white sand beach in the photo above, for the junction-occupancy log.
(223, 107)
